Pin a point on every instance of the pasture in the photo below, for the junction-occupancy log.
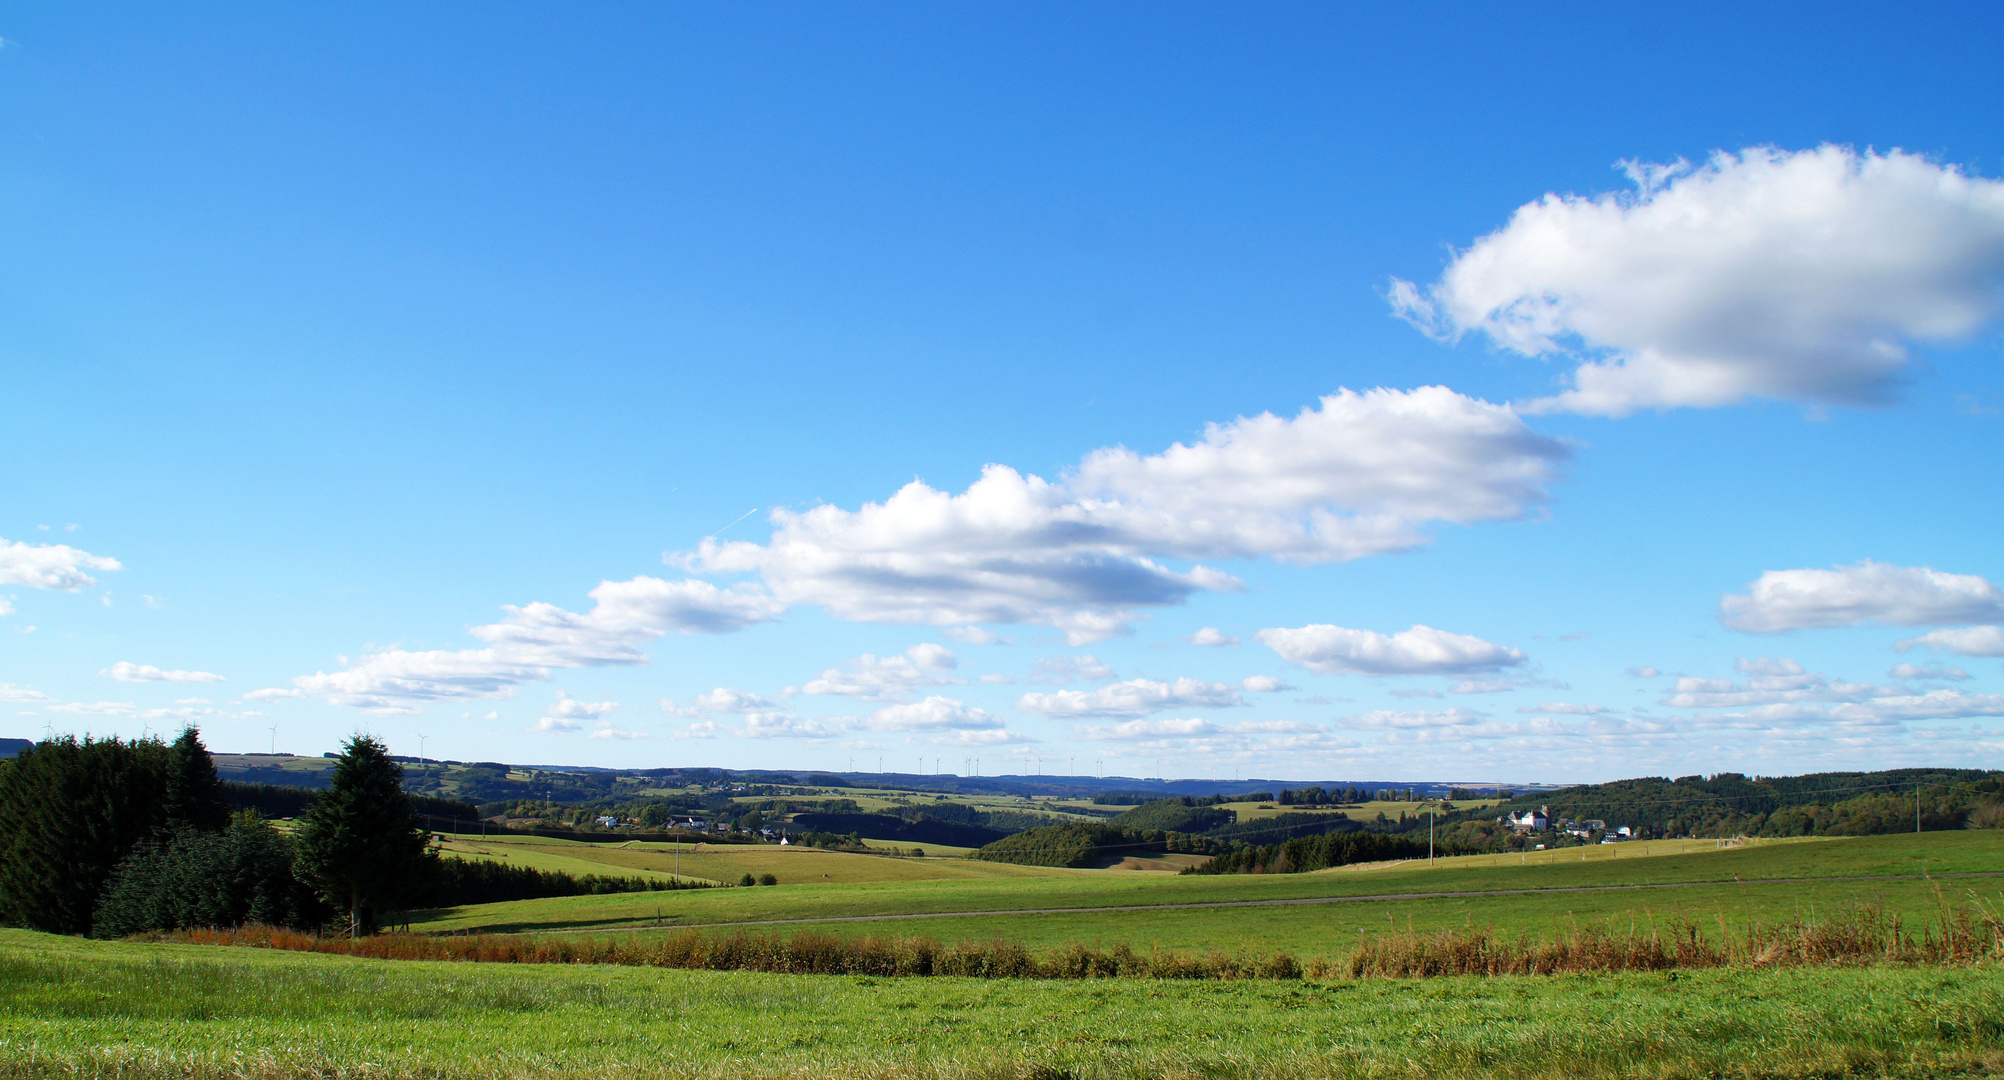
(90, 1009)
(1615, 885)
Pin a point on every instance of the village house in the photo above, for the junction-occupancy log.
(1529, 821)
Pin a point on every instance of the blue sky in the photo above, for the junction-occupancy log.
(336, 342)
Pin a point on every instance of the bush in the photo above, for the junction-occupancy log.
(1987, 816)
(767, 879)
(747, 880)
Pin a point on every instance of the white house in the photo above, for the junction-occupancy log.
(1529, 821)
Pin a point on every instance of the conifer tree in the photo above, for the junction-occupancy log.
(194, 796)
(362, 843)
(70, 812)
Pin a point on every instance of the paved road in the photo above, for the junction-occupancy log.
(1364, 898)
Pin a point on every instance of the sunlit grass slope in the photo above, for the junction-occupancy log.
(1738, 873)
(725, 862)
(81, 1008)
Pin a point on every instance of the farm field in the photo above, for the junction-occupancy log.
(796, 865)
(82, 1008)
(1718, 883)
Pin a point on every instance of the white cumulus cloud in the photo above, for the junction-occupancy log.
(50, 566)
(1211, 636)
(1961, 640)
(1798, 276)
(723, 699)
(888, 678)
(945, 721)
(1360, 474)
(1422, 650)
(1867, 592)
(273, 694)
(532, 639)
(124, 671)
(1142, 697)
(21, 695)
(564, 706)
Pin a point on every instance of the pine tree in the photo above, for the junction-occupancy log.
(70, 812)
(362, 843)
(194, 791)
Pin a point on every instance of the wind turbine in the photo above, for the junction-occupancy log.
(274, 738)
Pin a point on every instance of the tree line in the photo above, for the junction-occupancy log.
(111, 837)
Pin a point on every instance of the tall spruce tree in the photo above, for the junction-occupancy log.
(362, 842)
(194, 797)
(70, 812)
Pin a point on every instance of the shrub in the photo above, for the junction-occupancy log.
(1987, 816)
(767, 879)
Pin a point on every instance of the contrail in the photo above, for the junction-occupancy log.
(741, 517)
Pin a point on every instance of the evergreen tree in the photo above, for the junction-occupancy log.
(194, 797)
(227, 877)
(70, 812)
(362, 843)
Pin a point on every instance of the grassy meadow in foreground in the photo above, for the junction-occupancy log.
(81, 1008)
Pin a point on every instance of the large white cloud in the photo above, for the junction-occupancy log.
(1143, 697)
(945, 721)
(1963, 640)
(1422, 650)
(534, 638)
(1359, 474)
(50, 566)
(1868, 592)
(888, 678)
(1798, 276)
(126, 671)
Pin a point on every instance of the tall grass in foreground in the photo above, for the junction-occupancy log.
(1865, 935)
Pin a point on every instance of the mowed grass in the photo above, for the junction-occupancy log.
(92, 1009)
(1737, 872)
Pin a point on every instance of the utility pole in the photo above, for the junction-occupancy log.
(1917, 809)
(1432, 815)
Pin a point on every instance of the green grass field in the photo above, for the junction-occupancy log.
(1757, 881)
(793, 866)
(90, 1009)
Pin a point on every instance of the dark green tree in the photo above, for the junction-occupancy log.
(70, 812)
(239, 874)
(194, 797)
(362, 843)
